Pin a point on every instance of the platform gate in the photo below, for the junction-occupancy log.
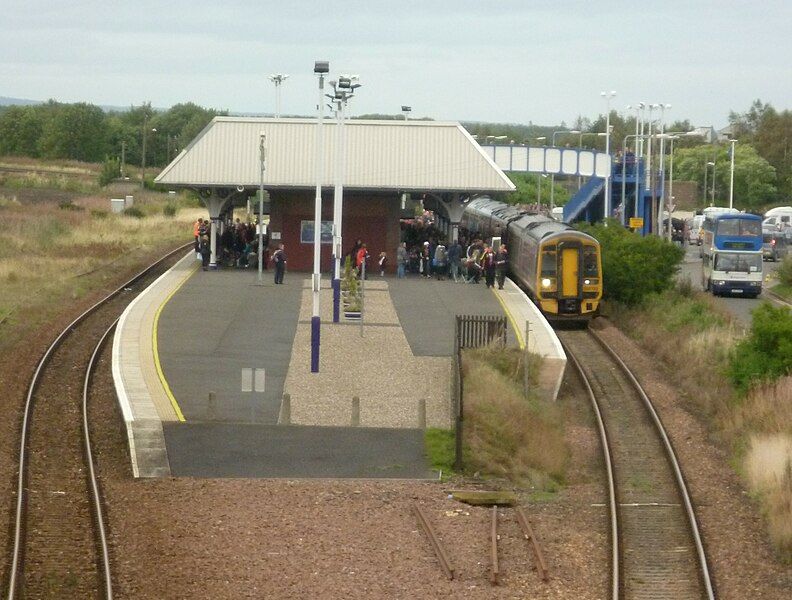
(472, 331)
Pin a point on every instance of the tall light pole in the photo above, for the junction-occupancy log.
(278, 79)
(406, 112)
(143, 157)
(712, 201)
(661, 206)
(321, 68)
(671, 203)
(262, 164)
(343, 90)
(637, 136)
(606, 204)
(714, 164)
(552, 175)
(731, 176)
(649, 178)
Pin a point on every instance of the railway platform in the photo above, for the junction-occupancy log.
(212, 371)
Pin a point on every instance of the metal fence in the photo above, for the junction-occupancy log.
(472, 331)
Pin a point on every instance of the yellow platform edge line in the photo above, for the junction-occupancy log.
(510, 316)
(155, 347)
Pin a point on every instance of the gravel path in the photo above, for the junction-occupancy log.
(377, 367)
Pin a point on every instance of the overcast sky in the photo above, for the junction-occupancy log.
(508, 60)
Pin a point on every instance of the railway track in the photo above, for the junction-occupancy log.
(657, 551)
(58, 543)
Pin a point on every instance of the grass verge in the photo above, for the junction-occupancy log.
(507, 433)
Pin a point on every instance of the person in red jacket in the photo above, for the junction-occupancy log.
(361, 259)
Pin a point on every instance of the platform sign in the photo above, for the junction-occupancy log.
(636, 222)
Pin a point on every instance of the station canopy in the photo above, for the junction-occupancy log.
(400, 156)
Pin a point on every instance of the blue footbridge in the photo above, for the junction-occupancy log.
(627, 176)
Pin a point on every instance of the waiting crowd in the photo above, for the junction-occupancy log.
(461, 261)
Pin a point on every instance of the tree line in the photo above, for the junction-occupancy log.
(86, 132)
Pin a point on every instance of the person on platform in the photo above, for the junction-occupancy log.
(488, 263)
(440, 261)
(205, 250)
(383, 262)
(361, 259)
(426, 261)
(401, 259)
(197, 237)
(454, 259)
(279, 258)
(501, 265)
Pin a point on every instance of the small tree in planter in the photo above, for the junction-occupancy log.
(350, 291)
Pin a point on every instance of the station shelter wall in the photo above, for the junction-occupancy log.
(371, 216)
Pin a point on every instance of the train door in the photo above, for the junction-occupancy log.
(570, 270)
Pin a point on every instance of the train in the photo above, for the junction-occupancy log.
(558, 266)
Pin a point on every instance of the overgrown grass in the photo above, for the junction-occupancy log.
(506, 433)
(440, 448)
(697, 340)
(50, 256)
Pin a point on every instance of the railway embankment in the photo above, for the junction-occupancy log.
(736, 381)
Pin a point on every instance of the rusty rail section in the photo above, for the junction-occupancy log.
(442, 557)
(541, 565)
(494, 535)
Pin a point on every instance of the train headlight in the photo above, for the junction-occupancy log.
(587, 282)
(546, 282)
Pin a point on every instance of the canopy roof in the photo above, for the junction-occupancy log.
(381, 155)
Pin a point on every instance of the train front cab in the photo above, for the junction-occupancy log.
(569, 279)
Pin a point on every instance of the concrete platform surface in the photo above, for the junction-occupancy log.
(249, 450)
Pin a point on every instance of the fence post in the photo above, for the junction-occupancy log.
(355, 411)
(212, 412)
(285, 412)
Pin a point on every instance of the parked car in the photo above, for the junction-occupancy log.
(775, 244)
(694, 230)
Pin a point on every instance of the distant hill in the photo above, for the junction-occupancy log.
(5, 101)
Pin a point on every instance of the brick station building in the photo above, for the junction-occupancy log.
(437, 161)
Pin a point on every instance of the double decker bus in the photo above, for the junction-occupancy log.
(732, 254)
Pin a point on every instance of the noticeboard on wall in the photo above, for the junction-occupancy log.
(307, 232)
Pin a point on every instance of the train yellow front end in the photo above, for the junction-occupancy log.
(568, 281)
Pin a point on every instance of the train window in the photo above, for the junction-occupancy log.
(590, 262)
(549, 263)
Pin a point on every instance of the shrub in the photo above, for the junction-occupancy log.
(767, 352)
(111, 170)
(134, 211)
(634, 266)
(169, 210)
(99, 214)
(784, 271)
(69, 205)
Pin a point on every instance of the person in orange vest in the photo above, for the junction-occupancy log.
(196, 236)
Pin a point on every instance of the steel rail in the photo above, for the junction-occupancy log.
(541, 565)
(92, 479)
(671, 456)
(494, 549)
(442, 557)
(19, 518)
(611, 481)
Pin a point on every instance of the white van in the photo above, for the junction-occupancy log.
(779, 218)
(694, 230)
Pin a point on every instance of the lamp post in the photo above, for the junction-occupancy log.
(278, 79)
(731, 176)
(321, 68)
(552, 175)
(143, 157)
(649, 182)
(671, 203)
(661, 205)
(637, 136)
(406, 112)
(606, 204)
(343, 90)
(262, 165)
(712, 201)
